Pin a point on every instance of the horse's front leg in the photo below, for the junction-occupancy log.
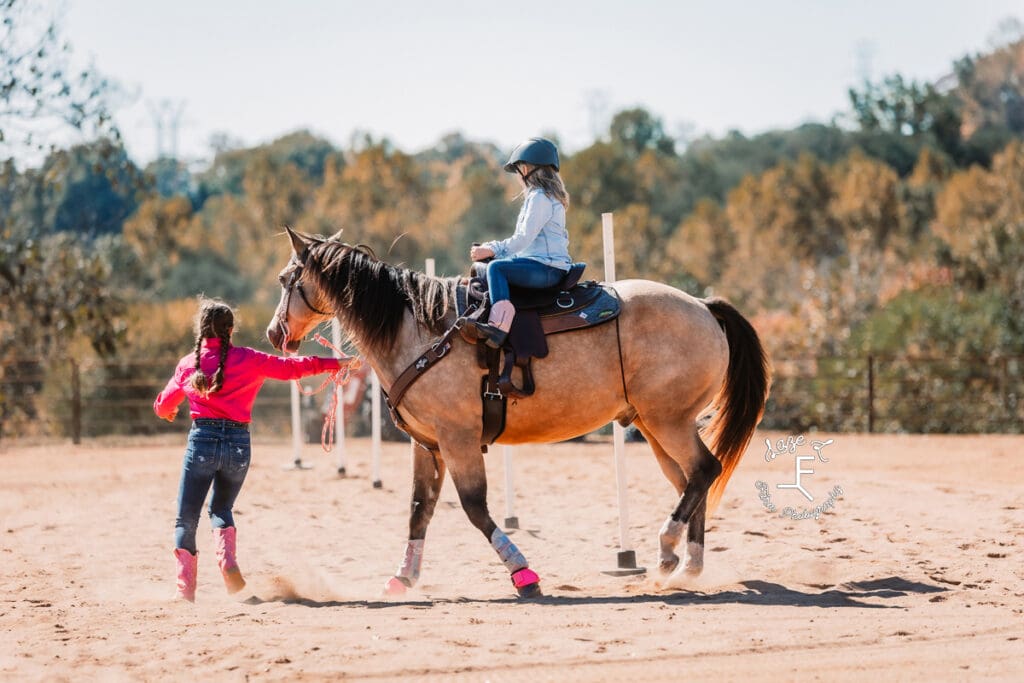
(466, 465)
(428, 476)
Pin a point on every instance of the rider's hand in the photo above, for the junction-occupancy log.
(170, 418)
(479, 253)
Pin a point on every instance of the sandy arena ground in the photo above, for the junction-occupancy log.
(915, 573)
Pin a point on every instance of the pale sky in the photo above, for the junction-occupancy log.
(413, 71)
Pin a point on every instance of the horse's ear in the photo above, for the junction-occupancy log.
(336, 237)
(299, 243)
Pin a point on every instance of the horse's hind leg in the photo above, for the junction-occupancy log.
(470, 479)
(691, 468)
(694, 563)
(428, 476)
(671, 532)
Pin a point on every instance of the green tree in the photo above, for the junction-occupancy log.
(56, 293)
(90, 189)
(38, 87)
(301, 150)
(637, 130)
(980, 217)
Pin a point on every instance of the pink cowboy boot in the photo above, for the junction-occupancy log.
(224, 540)
(495, 330)
(186, 574)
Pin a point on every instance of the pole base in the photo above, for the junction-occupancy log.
(627, 565)
(378, 484)
(297, 465)
(511, 522)
(342, 473)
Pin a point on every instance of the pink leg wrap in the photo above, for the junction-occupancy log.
(395, 587)
(524, 577)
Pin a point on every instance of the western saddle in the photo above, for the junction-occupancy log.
(570, 305)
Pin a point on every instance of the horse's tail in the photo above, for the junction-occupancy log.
(740, 402)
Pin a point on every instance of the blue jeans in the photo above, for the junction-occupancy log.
(521, 272)
(217, 456)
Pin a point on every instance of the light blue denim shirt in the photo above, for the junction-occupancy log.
(540, 233)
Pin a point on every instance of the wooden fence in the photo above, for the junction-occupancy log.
(848, 394)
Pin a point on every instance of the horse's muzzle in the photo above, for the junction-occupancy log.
(278, 338)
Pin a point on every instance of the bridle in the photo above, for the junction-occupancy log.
(294, 283)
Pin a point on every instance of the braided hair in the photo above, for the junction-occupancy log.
(214, 319)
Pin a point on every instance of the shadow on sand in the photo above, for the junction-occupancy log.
(760, 593)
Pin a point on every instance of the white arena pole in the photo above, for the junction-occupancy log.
(511, 521)
(339, 409)
(375, 429)
(626, 556)
(296, 431)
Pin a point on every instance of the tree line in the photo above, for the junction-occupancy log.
(894, 229)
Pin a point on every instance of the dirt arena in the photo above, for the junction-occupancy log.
(914, 572)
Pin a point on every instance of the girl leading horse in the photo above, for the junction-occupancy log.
(659, 366)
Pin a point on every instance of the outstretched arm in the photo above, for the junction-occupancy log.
(295, 367)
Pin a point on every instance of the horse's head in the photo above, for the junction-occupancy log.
(295, 316)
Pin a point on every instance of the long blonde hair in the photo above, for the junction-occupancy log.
(547, 179)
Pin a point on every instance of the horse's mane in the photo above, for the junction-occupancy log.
(370, 297)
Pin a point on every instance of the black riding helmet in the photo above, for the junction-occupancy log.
(536, 151)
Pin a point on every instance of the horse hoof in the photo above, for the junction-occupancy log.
(693, 568)
(666, 567)
(395, 587)
(530, 591)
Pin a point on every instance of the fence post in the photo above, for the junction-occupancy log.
(871, 393)
(1004, 385)
(76, 403)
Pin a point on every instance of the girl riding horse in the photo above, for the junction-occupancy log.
(537, 254)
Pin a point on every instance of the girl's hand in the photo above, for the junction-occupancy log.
(479, 253)
(170, 418)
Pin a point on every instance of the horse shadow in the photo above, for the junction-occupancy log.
(754, 593)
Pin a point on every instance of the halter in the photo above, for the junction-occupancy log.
(295, 284)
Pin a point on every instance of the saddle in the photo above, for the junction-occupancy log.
(570, 305)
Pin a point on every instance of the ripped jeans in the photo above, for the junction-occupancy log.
(217, 456)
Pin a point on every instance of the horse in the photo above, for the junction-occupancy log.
(690, 373)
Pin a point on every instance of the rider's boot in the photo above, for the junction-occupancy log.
(495, 330)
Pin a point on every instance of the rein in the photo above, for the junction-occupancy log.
(339, 378)
(424, 362)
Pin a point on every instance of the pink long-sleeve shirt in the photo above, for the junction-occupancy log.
(245, 370)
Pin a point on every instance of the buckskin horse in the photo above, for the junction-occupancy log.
(667, 359)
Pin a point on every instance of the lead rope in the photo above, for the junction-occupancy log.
(338, 378)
